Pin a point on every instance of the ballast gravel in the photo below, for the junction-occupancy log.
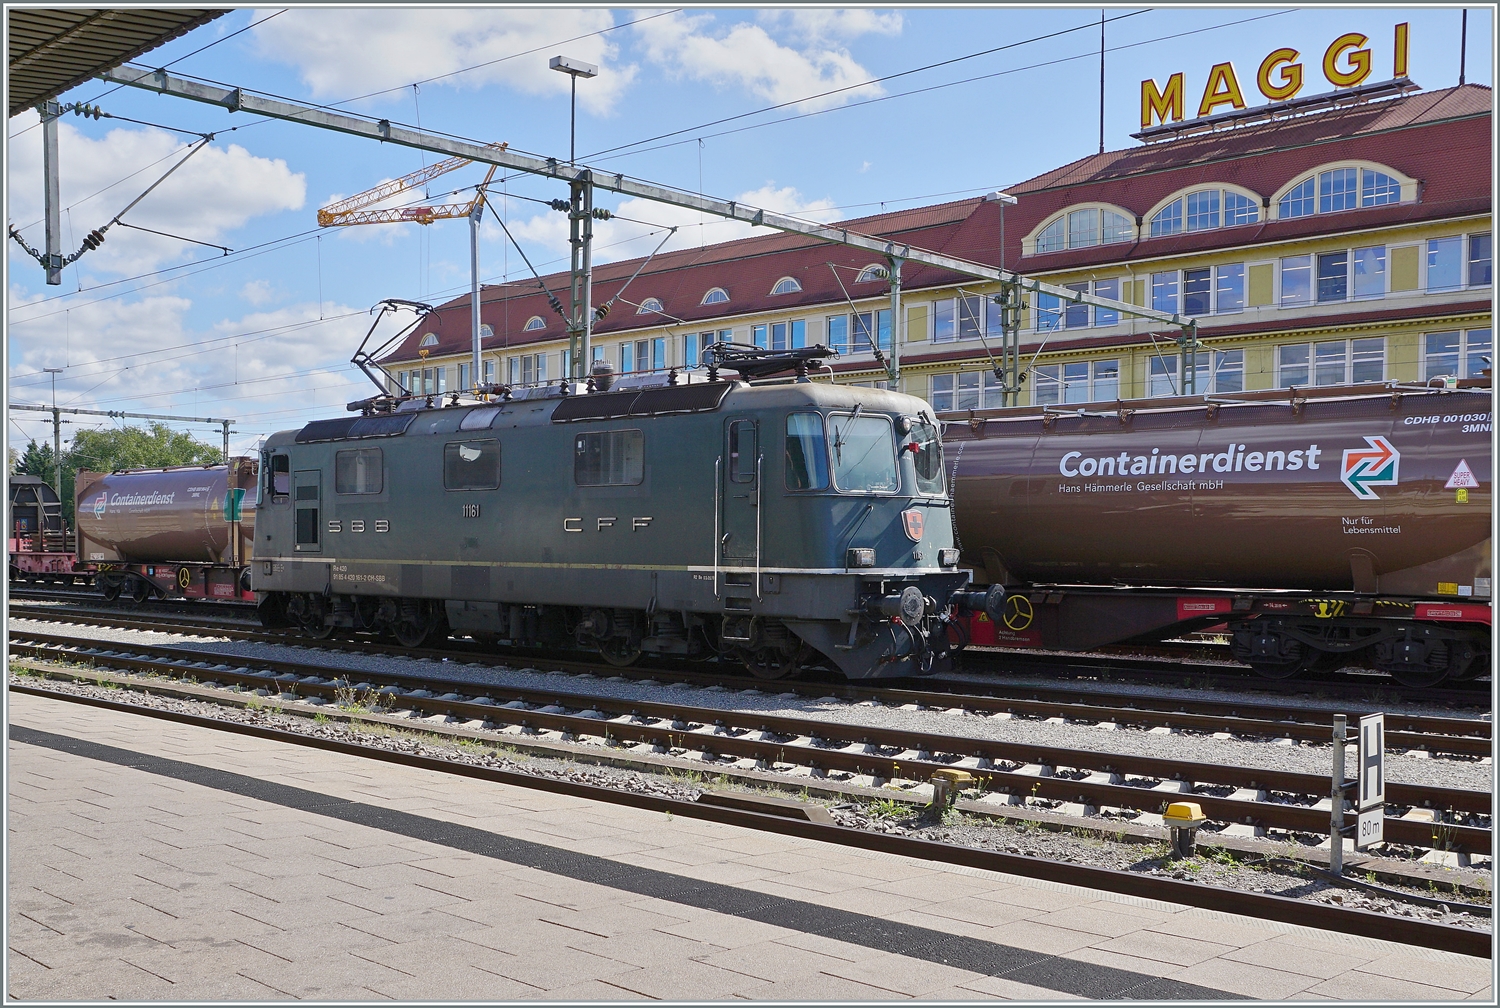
(1437, 770)
(1290, 880)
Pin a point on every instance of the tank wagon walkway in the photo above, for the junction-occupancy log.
(157, 861)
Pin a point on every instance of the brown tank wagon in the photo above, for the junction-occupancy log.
(180, 532)
(1322, 525)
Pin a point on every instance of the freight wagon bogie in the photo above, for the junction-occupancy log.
(1416, 654)
(775, 525)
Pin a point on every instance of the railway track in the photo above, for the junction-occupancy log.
(1021, 772)
(1447, 735)
(1264, 905)
(1158, 665)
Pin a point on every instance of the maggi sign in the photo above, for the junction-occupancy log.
(1346, 62)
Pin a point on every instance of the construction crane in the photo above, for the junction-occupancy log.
(354, 210)
(357, 210)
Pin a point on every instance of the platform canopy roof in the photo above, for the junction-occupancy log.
(54, 49)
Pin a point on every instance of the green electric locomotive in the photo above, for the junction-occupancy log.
(779, 523)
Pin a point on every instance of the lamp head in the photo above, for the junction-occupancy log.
(568, 65)
(1000, 197)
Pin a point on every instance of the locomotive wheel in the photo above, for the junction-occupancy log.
(411, 632)
(317, 631)
(620, 651)
(772, 663)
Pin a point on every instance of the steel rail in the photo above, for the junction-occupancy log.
(672, 726)
(1437, 734)
(1452, 735)
(1263, 906)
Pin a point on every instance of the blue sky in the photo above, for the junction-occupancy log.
(156, 324)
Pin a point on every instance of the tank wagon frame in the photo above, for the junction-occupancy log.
(777, 523)
(1316, 527)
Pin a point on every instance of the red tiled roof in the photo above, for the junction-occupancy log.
(1451, 161)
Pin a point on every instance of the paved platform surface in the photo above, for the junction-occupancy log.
(155, 861)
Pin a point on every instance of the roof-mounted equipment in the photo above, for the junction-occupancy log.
(752, 362)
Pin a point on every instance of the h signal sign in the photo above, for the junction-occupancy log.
(1371, 802)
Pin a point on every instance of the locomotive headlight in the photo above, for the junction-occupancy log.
(860, 557)
(947, 558)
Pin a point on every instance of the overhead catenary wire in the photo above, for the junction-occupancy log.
(905, 94)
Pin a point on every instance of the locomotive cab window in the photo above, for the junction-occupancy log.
(359, 471)
(928, 456)
(806, 452)
(471, 465)
(864, 454)
(609, 458)
(742, 451)
(279, 478)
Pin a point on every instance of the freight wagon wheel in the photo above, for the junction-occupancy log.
(111, 591)
(140, 591)
(1277, 670)
(1418, 678)
(620, 651)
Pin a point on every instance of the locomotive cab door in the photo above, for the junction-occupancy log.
(739, 534)
(306, 499)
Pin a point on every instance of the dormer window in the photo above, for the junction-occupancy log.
(1085, 228)
(649, 305)
(1204, 210)
(429, 339)
(533, 323)
(786, 285)
(871, 273)
(715, 295)
(1347, 188)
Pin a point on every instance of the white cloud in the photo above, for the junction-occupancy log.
(257, 292)
(218, 190)
(145, 356)
(617, 239)
(747, 57)
(820, 24)
(343, 53)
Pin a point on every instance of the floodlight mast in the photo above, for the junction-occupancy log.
(238, 100)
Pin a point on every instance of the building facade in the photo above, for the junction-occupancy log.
(1349, 244)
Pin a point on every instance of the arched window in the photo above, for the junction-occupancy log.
(1340, 189)
(1239, 209)
(649, 305)
(1051, 239)
(486, 331)
(1168, 220)
(871, 273)
(715, 295)
(1084, 228)
(786, 285)
(430, 339)
(1299, 202)
(1377, 188)
(535, 322)
(1204, 210)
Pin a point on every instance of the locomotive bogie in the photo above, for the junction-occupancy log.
(713, 519)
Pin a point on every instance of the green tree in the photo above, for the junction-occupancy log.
(153, 447)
